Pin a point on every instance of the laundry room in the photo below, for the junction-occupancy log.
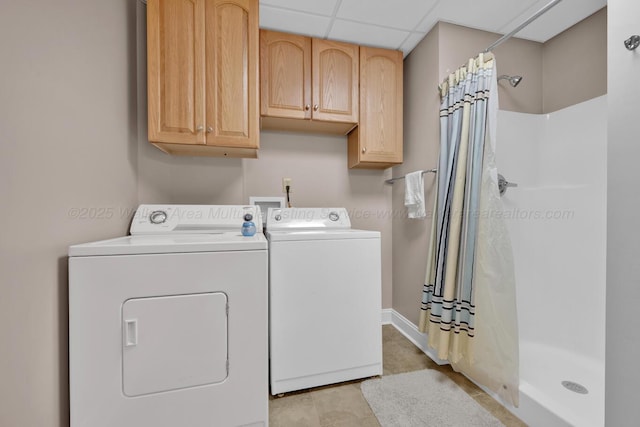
(79, 155)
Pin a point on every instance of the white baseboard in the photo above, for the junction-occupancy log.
(409, 330)
(387, 314)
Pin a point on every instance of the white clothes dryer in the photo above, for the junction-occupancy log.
(325, 299)
(168, 326)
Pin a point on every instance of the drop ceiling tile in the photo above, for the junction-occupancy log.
(559, 18)
(488, 15)
(324, 7)
(411, 42)
(369, 35)
(400, 14)
(293, 22)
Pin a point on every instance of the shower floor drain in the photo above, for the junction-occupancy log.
(575, 387)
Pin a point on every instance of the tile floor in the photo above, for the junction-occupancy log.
(343, 405)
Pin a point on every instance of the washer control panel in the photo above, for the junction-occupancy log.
(307, 218)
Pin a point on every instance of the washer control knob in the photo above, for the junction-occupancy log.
(333, 216)
(277, 217)
(158, 217)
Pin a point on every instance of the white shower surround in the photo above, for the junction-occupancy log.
(557, 220)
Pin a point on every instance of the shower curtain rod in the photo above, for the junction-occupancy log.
(521, 26)
(487, 52)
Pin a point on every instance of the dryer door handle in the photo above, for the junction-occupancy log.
(130, 332)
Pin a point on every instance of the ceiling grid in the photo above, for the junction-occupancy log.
(402, 24)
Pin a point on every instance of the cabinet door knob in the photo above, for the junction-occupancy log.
(209, 129)
(307, 107)
(199, 128)
(364, 150)
(315, 107)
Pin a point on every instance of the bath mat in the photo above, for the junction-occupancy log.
(423, 398)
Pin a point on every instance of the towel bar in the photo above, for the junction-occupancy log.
(392, 180)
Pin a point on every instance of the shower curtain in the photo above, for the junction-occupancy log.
(468, 305)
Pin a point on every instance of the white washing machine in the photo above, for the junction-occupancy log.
(168, 326)
(324, 297)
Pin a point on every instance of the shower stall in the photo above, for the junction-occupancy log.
(557, 221)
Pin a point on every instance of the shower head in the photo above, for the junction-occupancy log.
(513, 80)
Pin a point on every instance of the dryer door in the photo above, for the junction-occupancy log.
(173, 342)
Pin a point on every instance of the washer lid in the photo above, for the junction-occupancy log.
(171, 243)
(309, 234)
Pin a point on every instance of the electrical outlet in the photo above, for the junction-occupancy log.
(285, 182)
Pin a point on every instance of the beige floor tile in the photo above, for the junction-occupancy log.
(497, 410)
(401, 356)
(341, 404)
(390, 333)
(463, 382)
(360, 422)
(293, 411)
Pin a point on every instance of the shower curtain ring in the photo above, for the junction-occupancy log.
(632, 42)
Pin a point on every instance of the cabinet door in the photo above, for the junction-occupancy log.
(335, 81)
(285, 64)
(380, 130)
(232, 73)
(175, 67)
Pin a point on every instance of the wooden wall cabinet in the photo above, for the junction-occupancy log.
(377, 141)
(202, 61)
(308, 84)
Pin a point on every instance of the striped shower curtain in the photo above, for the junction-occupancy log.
(468, 306)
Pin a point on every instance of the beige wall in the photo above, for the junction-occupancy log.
(421, 121)
(67, 143)
(443, 50)
(574, 64)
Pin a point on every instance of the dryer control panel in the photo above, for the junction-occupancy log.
(164, 219)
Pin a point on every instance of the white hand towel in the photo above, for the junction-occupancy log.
(414, 194)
